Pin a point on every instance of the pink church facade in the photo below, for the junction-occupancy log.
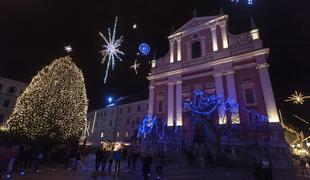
(204, 55)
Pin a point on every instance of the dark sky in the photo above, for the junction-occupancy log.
(34, 32)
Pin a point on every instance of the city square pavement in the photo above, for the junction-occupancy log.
(85, 171)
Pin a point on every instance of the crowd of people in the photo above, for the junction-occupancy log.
(108, 158)
(21, 158)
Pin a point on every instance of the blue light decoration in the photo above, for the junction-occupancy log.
(150, 122)
(249, 2)
(146, 126)
(205, 105)
(144, 49)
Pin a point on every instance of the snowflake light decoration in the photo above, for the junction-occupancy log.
(111, 50)
(297, 98)
(68, 48)
(135, 66)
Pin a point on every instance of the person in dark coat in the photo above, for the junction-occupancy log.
(160, 162)
(110, 157)
(135, 156)
(105, 156)
(67, 157)
(118, 158)
(99, 157)
(129, 159)
(146, 165)
(77, 159)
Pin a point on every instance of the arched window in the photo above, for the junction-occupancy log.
(196, 49)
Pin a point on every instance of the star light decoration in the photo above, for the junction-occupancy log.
(297, 98)
(135, 66)
(68, 48)
(111, 49)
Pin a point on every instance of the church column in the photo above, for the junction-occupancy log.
(224, 34)
(179, 49)
(203, 46)
(151, 97)
(214, 37)
(171, 50)
(179, 106)
(267, 92)
(220, 92)
(231, 89)
(170, 104)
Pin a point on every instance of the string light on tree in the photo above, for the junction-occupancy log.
(54, 105)
(297, 98)
(68, 48)
(111, 50)
(135, 66)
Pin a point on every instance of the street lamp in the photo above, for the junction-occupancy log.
(293, 145)
(110, 99)
(308, 144)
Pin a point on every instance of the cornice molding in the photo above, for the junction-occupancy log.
(211, 64)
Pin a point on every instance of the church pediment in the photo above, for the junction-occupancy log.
(195, 22)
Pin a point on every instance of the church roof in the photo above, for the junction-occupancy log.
(196, 21)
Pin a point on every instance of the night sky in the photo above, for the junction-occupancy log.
(34, 32)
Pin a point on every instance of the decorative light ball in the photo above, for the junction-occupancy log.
(144, 49)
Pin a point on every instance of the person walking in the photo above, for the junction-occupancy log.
(111, 156)
(135, 156)
(303, 167)
(12, 154)
(146, 165)
(77, 159)
(118, 158)
(160, 160)
(129, 159)
(105, 156)
(99, 157)
(67, 157)
(37, 159)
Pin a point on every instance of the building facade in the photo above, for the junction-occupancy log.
(204, 56)
(117, 122)
(9, 92)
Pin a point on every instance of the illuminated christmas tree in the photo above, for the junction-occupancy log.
(53, 107)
